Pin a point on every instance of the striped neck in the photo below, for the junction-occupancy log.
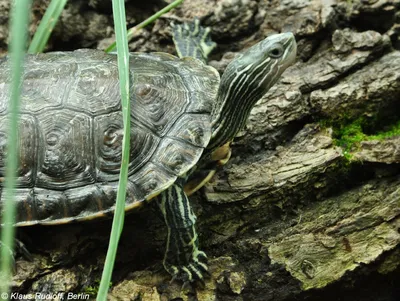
(246, 79)
(232, 109)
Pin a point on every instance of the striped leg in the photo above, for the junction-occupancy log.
(191, 39)
(183, 260)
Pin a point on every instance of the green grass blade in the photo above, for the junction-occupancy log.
(118, 221)
(19, 23)
(146, 22)
(46, 26)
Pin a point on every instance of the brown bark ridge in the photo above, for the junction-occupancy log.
(308, 206)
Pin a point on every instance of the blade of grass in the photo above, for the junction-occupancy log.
(19, 23)
(46, 26)
(118, 221)
(146, 22)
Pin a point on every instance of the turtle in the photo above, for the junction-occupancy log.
(184, 117)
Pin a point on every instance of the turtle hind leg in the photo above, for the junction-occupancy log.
(192, 40)
(183, 259)
(19, 249)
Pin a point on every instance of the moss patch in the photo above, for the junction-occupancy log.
(349, 134)
(93, 290)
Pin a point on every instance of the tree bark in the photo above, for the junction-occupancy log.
(308, 206)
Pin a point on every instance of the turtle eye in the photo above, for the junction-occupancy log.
(276, 51)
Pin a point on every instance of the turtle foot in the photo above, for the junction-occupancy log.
(196, 270)
(22, 250)
(19, 249)
(192, 40)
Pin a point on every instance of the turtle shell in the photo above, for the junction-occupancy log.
(71, 130)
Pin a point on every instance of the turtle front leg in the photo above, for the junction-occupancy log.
(192, 40)
(183, 259)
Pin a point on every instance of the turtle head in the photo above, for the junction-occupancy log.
(260, 66)
(245, 80)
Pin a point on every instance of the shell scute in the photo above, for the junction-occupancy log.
(108, 146)
(66, 151)
(54, 80)
(96, 89)
(193, 129)
(27, 149)
(163, 103)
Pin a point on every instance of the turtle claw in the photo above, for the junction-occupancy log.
(20, 247)
(207, 274)
(188, 284)
(193, 271)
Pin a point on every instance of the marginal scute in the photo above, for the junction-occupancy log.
(44, 205)
(173, 155)
(110, 190)
(151, 180)
(25, 205)
(163, 56)
(205, 86)
(87, 202)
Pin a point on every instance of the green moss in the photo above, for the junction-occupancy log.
(348, 136)
(93, 290)
(392, 131)
(349, 133)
